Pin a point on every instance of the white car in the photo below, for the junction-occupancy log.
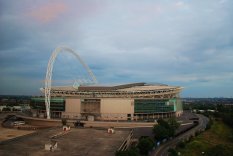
(16, 123)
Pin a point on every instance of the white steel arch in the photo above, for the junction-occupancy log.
(48, 79)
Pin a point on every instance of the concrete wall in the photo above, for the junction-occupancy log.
(111, 109)
(125, 106)
(54, 123)
(117, 124)
(72, 105)
(72, 108)
(116, 109)
(41, 122)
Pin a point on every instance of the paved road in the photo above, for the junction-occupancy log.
(162, 149)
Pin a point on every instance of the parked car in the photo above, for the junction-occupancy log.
(17, 123)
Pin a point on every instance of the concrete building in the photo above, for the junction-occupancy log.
(136, 101)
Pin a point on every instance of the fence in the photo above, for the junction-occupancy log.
(126, 143)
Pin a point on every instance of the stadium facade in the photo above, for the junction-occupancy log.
(135, 102)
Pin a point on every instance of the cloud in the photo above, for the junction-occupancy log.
(202, 77)
(182, 5)
(185, 43)
(49, 12)
(179, 4)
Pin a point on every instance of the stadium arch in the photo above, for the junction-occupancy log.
(48, 78)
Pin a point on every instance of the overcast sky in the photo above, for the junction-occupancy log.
(182, 43)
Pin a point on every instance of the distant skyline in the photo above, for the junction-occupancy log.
(177, 42)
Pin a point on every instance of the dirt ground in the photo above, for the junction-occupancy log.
(6, 133)
(78, 142)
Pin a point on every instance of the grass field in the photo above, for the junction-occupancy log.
(218, 135)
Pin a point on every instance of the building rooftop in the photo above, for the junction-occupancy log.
(124, 87)
(132, 90)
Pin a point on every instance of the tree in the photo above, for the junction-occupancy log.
(228, 119)
(145, 145)
(133, 151)
(121, 153)
(181, 144)
(163, 123)
(173, 125)
(160, 132)
(209, 124)
(172, 152)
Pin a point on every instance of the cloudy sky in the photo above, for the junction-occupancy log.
(185, 43)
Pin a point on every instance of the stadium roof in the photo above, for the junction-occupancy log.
(132, 90)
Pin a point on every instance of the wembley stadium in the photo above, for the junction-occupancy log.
(136, 101)
(95, 102)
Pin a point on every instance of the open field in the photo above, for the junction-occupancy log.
(219, 134)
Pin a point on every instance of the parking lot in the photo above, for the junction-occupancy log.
(78, 142)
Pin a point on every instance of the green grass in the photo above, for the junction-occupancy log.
(218, 134)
